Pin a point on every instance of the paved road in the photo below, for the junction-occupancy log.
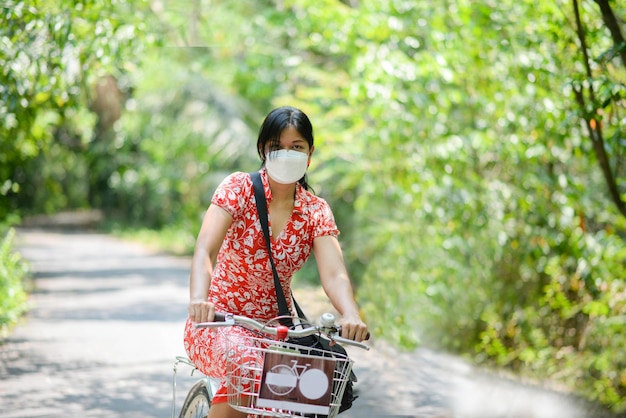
(106, 324)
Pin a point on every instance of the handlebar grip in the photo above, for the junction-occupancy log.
(219, 317)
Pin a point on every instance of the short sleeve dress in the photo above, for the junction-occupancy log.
(242, 282)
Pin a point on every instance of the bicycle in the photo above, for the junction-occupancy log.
(278, 378)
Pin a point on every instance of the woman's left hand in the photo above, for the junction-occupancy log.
(353, 328)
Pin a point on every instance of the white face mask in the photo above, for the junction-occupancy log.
(286, 166)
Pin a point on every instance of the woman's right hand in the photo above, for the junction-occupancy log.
(201, 311)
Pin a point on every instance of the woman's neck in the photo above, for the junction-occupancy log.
(282, 192)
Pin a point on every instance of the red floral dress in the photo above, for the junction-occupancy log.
(242, 282)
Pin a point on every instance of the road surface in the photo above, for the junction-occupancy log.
(106, 323)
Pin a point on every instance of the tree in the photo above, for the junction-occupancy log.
(55, 52)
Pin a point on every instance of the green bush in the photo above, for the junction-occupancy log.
(571, 330)
(13, 273)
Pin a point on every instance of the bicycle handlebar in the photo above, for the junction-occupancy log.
(327, 327)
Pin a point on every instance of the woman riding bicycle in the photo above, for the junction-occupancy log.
(231, 270)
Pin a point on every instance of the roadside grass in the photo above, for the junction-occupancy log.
(14, 274)
(172, 239)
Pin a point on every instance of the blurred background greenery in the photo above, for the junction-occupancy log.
(472, 151)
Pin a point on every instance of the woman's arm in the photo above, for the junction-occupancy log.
(214, 227)
(336, 284)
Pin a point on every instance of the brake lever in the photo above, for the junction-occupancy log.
(346, 341)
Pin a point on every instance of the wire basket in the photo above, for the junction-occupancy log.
(278, 379)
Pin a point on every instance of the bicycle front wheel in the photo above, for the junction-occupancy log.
(197, 402)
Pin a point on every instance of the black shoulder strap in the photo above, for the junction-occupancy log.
(261, 206)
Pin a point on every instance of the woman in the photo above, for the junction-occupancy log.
(231, 271)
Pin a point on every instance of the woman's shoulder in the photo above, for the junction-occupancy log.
(318, 211)
(233, 193)
(234, 184)
(236, 179)
(312, 200)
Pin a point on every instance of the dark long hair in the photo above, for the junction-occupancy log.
(275, 123)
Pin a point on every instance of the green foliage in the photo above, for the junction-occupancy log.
(574, 319)
(56, 51)
(13, 272)
(182, 137)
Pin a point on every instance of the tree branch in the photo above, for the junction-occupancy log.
(611, 22)
(589, 114)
